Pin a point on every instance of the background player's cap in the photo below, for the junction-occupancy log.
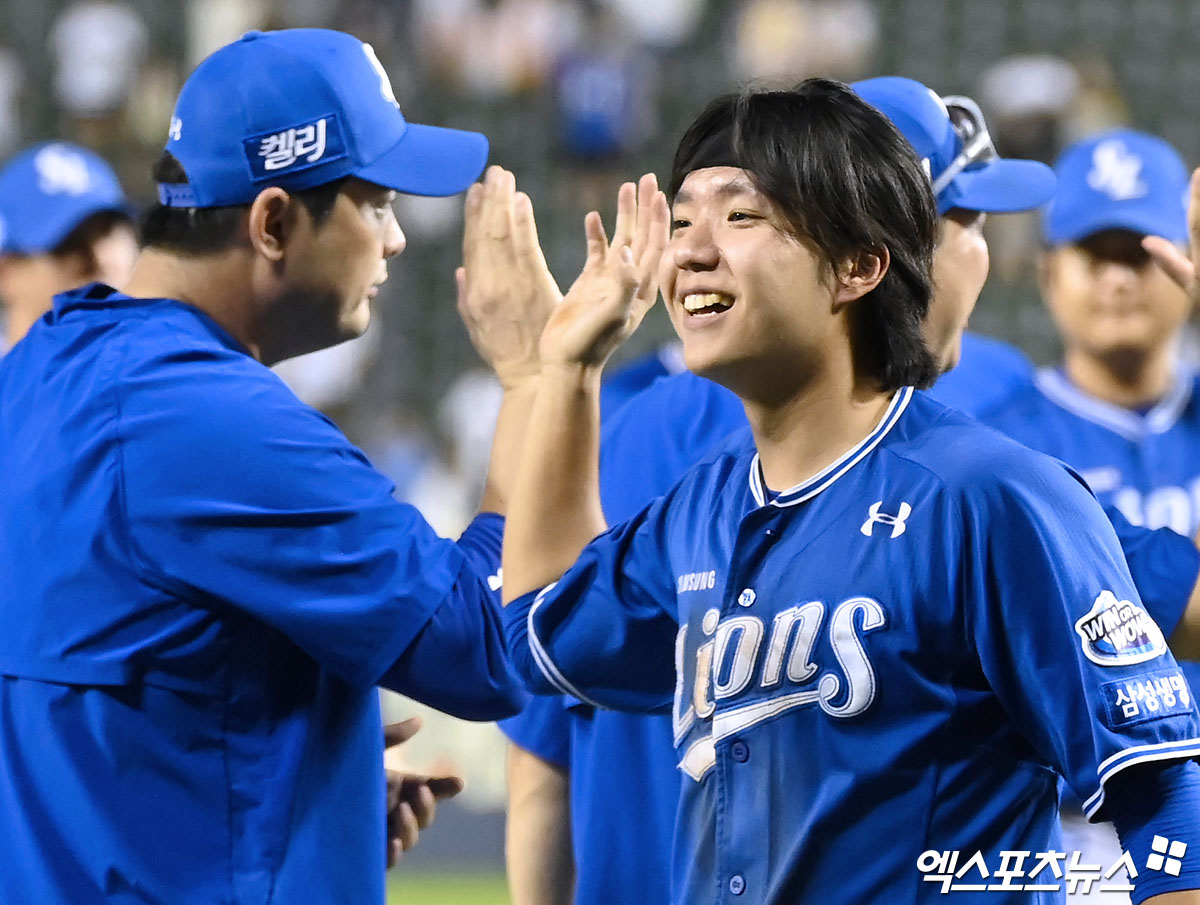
(951, 137)
(299, 108)
(48, 190)
(1120, 179)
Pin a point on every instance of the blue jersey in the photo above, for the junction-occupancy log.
(1143, 463)
(203, 581)
(987, 372)
(939, 624)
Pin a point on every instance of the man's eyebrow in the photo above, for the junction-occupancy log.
(740, 185)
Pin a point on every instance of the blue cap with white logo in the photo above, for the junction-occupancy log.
(1120, 179)
(48, 190)
(952, 140)
(298, 108)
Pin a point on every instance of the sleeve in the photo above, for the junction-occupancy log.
(1061, 634)
(240, 498)
(604, 632)
(1156, 812)
(543, 728)
(1164, 566)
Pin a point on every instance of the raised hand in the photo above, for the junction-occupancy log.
(618, 284)
(505, 289)
(1177, 265)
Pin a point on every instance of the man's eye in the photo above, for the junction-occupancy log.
(735, 216)
(679, 224)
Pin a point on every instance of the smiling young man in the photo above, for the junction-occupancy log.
(204, 582)
(868, 614)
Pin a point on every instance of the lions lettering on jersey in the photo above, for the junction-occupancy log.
(732, 656)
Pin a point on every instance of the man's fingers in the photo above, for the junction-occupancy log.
(1174, 262)
(626, 226)
(472, 210)
(395, 733)
(597, 239)
(444, 787)
(647, 190)
(403, 827)
(393, 853)
(501, 187)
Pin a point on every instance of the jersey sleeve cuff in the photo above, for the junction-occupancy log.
(1183, 749)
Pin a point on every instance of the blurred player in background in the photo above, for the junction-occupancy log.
(64, 221)
(1120, 408)
(568, 756)
(819, 647)
(203, 580)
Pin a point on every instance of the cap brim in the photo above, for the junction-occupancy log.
(57, 221)
(1137, 220)
(430, 160)
(1003, 186)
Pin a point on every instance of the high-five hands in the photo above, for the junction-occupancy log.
(618, 284)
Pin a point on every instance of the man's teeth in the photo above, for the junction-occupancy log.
(696, 302)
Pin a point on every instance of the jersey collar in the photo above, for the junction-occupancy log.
(1055, 386)
(809, 488)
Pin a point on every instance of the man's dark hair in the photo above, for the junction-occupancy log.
(845, 179)
(203, 230)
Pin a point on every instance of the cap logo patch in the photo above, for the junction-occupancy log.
(175, 132)
(1119, 633)
(61, 171)
(1116, 171)
(385, 84)
(295, 149)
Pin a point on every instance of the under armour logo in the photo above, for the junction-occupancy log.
(496, 582)
(175, 132)
(1116, 171)
(874, 517)
(62, 171)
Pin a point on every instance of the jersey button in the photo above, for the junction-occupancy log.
(737, 884)
(747, 597)
(740, 751)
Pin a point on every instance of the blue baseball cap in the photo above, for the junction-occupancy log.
(49, 189)
(1120, 179)
(298, 108)
(951, 138)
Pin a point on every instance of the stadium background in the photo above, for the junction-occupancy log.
(576, 96)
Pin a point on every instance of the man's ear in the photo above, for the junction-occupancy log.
(272, 222)
(857, 276)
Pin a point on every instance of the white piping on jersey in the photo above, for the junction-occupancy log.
(809, 488)
(1139, 754)
(542, 658)
(728, 722)
(1130, 425)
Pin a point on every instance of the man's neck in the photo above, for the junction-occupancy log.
(1131, 381)
(216, 284)
(803, 435)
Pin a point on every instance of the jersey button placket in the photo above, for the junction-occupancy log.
(737, 884)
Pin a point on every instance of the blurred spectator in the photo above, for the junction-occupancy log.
(11, 77)
(98, 48)
(494, 47)
(787, 40)
(662, 24)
